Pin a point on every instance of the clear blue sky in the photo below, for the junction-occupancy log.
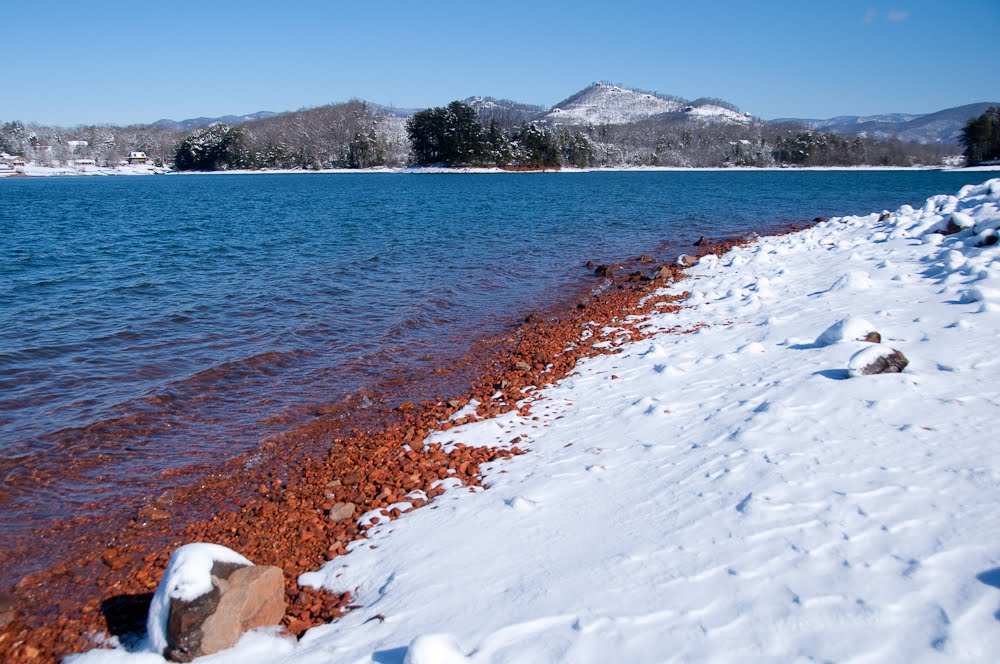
(124, 61)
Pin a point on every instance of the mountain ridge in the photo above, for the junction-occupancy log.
(603, 103)
(942, 126)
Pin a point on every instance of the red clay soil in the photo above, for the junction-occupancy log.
(284, 519)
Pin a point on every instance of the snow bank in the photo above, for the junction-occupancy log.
(725, 495)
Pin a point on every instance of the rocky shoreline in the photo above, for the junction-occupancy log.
(299, 507)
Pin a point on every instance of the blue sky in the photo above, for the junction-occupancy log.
(114, 61)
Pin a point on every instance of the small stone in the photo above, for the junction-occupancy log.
(405, 407)
(604, 270)
(873, 338)
(151, 513)
(590, 265)
(113, 559)
(686, 260)
(522, 366)
(819, 219)
(533, 318)
(702, 241)
(989, 239)
(341, 512)
(9, 608)
(885, 216)
(646, 258)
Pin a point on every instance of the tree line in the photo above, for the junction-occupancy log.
(356, 134)
(453, 136)
(350, 135)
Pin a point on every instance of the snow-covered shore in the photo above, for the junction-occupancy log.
(69, 171)
(36, 171)
(722, 490)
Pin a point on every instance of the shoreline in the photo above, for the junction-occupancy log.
(126, 567)
(549, 350)
(45, 171)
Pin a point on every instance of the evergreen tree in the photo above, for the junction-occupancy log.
(213, 148)
(537, 147)
(450, 136)
(498, 145)
(981, 137)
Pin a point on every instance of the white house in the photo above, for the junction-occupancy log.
(137, 158)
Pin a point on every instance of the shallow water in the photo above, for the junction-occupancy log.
(149, 322)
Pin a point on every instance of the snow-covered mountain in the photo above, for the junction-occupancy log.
(603, 103)
(940, 127)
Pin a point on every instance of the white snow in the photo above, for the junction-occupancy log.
(187, 577)
(725, 495)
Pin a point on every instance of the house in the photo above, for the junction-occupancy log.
(18, 161)
(137, 158)
(75, 145)
(82, 162)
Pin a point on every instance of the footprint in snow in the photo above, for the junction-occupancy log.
(521, 504)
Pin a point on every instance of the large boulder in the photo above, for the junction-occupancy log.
(208, 597)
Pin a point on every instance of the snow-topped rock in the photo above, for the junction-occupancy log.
(876, 360)
(846, 329)
(208, 596)
(435, 649)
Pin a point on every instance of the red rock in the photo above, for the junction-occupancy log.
(10, 607)
(151, 513)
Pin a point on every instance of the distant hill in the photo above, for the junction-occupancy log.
(197, 123)
(940, 127)
(603, 103)
(507, 113)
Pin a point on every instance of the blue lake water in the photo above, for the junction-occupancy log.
(163, 319)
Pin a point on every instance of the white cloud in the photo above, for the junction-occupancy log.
(898, 15)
